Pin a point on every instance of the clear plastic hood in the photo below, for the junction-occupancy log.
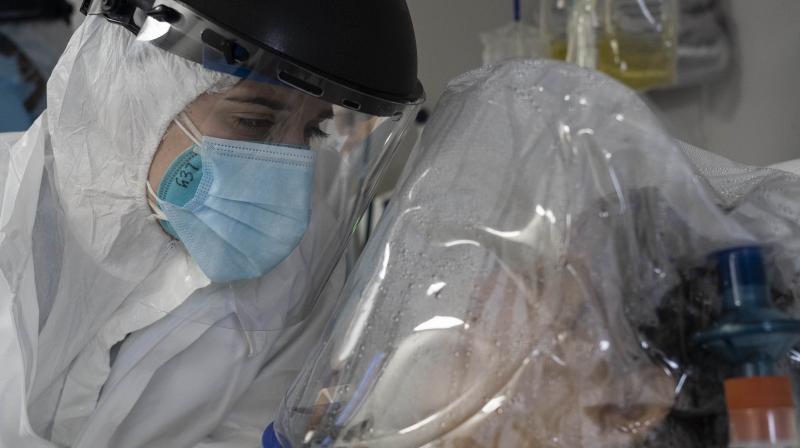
(518, 292)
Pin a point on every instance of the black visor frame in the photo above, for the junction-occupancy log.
(191, 36)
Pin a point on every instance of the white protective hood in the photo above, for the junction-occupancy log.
(537, 278)
(83, 267)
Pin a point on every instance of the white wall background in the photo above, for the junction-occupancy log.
(447, 37)
(751, 115)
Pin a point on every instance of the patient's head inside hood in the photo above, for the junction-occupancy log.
(539, 227)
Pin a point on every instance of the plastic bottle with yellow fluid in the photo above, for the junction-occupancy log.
(553, 17)
(634, 41)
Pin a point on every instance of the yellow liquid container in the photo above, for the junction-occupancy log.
(640, 62)
(558, 49)
(635, 41)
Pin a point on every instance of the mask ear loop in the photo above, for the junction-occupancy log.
(152, 200)
(190, 130)
(187, 126)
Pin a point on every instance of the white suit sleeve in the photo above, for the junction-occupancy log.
(21, 170)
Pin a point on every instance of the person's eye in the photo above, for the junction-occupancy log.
(251, 124)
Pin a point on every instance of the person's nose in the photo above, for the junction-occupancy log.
(297, 138)
(293, 134)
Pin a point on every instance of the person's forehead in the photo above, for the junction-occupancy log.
(274, 94)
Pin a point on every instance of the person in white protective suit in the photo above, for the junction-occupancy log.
(548, 298)
(171, 226)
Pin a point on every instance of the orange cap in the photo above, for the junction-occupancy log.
(758, 392)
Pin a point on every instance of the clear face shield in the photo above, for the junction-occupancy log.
(273, 166)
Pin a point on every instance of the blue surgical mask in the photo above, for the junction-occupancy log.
(240, 208)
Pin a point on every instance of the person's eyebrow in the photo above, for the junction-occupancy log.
(260, 101)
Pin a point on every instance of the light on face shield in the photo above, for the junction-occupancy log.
(152, 30)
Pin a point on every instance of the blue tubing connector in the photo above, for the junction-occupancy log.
(517, 14)
(270, 439)
(751, 334)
